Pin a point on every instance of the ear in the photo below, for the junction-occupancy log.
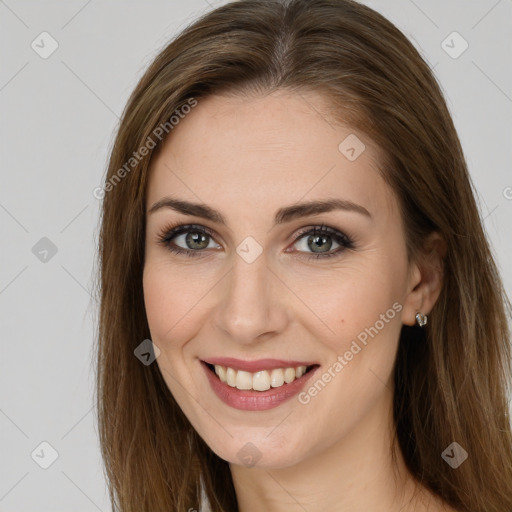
(425, 279)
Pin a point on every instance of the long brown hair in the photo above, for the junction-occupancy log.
(451, 383)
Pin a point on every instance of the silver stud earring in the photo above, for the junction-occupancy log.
(421, 320)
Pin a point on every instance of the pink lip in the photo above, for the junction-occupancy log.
(250, 400)
(257, 365)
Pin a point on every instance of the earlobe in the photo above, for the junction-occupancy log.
(426, 280)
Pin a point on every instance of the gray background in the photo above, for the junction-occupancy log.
(58, 117)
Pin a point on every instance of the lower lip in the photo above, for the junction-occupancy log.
(250, 400)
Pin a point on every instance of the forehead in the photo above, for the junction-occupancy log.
(266, 151)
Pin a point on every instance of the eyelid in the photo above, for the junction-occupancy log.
(322, 229)
(172, 230)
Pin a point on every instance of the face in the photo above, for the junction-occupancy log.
(255, 285)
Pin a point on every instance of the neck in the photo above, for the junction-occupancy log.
(355, 474)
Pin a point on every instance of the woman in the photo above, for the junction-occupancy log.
(299, 307)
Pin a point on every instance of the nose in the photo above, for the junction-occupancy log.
(252, 305)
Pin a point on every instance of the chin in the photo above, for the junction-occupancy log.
(259, 447)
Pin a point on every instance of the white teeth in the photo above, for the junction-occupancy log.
(221, 372)
(243, 380)
(231, 377)
(289, 375)
(259, 381)
(277, 378)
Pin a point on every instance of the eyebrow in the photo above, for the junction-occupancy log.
(283, 215)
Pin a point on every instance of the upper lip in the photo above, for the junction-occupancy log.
(256, 365)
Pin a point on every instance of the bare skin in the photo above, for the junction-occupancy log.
(247, 157)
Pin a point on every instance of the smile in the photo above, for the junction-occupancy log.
(257, 385)
(261, 380)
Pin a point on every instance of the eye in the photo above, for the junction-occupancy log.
(193, 239)
(320, 241)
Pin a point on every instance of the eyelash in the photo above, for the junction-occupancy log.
(167, 234)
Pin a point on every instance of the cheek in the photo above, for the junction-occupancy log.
(357, 373)
(171, 319)
(364, 310)
(366, 341)
(158, 303)
(362, 297)
(171, 300)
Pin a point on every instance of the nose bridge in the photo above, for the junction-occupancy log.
(249, 306)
